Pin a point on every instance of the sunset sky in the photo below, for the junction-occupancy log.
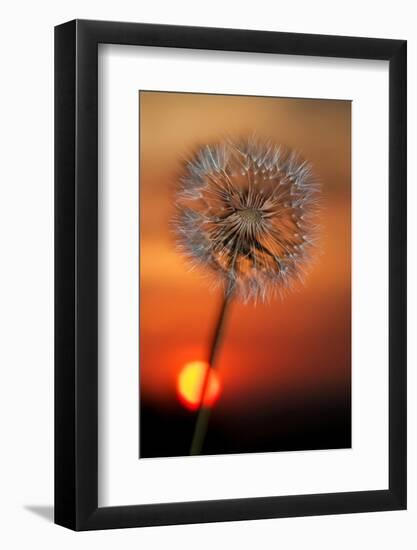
(295, 350)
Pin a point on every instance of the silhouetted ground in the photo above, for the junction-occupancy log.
(318, 424)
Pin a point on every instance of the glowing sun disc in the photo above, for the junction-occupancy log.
(190, 385)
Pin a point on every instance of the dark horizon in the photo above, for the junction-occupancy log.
(319, 423)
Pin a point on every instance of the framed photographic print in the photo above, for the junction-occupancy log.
(230, 275)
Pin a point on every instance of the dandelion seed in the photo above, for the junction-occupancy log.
(255, 235)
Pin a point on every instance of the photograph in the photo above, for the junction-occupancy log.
(245, 274)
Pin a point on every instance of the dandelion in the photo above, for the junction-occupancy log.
(245, 213)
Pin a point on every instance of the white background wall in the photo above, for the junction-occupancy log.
(26, 272)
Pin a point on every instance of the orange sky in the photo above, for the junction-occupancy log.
(289, 347)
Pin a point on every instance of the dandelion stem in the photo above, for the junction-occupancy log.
(203, 416)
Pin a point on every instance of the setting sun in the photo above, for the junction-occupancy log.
(190, 384)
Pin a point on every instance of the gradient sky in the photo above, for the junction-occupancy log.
(290, 349)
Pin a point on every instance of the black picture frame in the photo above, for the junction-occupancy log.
(76, 272)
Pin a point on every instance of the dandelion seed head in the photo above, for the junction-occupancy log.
(246, 211)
